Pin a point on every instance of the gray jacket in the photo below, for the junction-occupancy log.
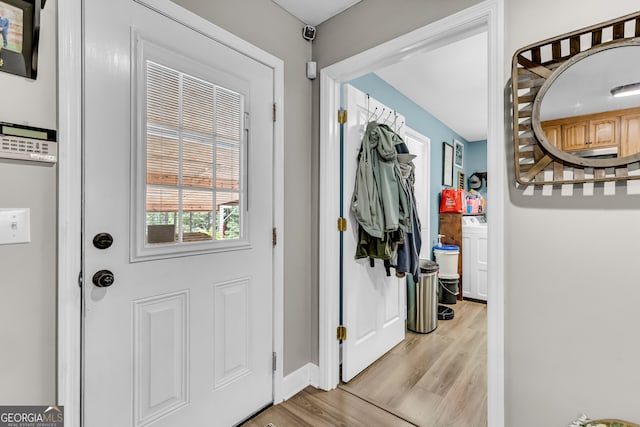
(379, 203)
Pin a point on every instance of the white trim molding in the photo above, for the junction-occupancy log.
(486, 16)
(278, 218)
(70, 131)
(298, 380)
(69, 208)
(427, 184)
(496, 166)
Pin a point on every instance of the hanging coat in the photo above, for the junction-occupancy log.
(408, 254)
(378, 202)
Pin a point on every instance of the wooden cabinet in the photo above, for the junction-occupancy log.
(619, 128)
(554, 134)
(576, 134)
(451, 228)
(604, 132)
(629, 134)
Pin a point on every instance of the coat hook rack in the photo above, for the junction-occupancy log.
(369, 117)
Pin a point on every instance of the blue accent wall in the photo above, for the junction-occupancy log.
(428, 125)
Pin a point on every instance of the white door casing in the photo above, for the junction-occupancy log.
(420, 145)
(373, 302)
(176, 339)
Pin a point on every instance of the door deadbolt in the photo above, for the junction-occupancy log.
(103, 240)
(103, 279)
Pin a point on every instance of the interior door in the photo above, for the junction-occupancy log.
(420, 145)
(178, 195)
(373, 303)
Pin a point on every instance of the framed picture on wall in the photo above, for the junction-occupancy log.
(18, 39)
(459, 152)
(447, 164)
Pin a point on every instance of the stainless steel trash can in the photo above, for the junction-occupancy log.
(422, 299)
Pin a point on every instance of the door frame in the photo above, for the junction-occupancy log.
(412, 133)
(70, 131)
(489, 16)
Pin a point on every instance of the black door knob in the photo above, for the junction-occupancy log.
(103, 279)
(103, 240)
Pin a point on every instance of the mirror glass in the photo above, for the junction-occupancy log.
(580, 116)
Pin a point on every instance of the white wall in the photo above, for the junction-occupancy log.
(572, 294)
(373, 22)
(28, 271)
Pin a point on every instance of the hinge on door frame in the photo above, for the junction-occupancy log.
(275, 109)
(274, 361)
(342, 116)
(342, 333)
(274, 236)
(342, 224)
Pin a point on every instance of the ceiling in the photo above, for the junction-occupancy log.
(313, 12)
(449, 82)
(584, 88)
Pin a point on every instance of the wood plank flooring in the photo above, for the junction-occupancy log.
(317, 408)
(428, 380)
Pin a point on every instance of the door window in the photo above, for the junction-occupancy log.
(193, 137)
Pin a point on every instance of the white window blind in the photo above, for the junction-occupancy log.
(194, 158)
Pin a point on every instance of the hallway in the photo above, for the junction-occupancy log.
(428, 380)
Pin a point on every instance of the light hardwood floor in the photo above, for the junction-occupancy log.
(428, 380)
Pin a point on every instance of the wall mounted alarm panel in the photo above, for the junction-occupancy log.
(19, 142)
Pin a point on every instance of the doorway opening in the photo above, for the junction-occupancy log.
(486, 16)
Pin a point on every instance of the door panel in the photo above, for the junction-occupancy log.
(183, 336)
(373, 302)
(231, 331)
(161, 355)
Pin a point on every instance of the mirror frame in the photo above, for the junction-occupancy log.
(537, 161)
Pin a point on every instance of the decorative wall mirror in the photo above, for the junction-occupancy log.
(570, 123)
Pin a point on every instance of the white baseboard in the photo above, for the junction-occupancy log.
(296, 381)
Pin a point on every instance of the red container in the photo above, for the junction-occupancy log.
(451, 201)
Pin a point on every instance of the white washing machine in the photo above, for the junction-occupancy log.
(474, 257)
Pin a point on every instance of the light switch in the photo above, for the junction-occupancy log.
(15, 226)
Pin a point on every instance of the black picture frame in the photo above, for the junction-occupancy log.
(458, 148)
(447, 164)
(20, 56)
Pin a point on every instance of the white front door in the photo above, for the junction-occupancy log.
(373, 303)
(178, 149)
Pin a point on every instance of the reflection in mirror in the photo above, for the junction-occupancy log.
(579, 113)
